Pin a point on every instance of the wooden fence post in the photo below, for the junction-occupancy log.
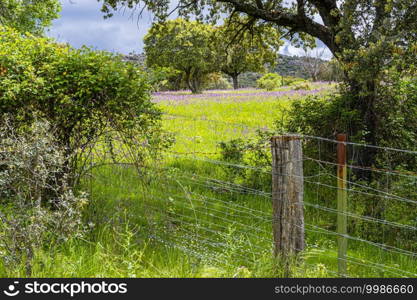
(341, 204)
(287, 194)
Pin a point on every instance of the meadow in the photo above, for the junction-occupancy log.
(184, 216)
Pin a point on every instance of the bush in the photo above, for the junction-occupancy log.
(162, 79)
(302, 86)
(215, 81)
(269, 81)
(273, 81)
(326, 116)
(292, 81)
(248, 152)
(81, 93)
(30, 217)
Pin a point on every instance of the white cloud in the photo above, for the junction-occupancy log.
(321, 50)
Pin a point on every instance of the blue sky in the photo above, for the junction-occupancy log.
(82, 23)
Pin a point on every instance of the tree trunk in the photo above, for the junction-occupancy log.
(235, 81)
(196, 86)
(193, 83)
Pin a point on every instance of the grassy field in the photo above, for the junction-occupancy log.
(184, 217)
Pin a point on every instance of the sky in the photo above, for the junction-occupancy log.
(82, 23)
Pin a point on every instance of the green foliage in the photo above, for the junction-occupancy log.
(326, 116)
(36, 210)
(81, 93)
(252, 152)
(186, 46)
(293, 81)
(318, 116)
(29, 16)
(302, 86)
(215, 81)
(331, 71)
(163, 78)
(270, 81)
(249, 52)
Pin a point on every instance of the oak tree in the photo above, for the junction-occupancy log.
(186, 46)
(251, 51)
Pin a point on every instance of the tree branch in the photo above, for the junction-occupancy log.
(326, 10)
(295, 22)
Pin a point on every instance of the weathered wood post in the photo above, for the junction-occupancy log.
(287, 194)
(341, 204)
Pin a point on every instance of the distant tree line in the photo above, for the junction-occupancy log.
(195, 50)
(190, 52)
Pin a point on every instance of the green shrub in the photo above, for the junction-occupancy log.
(36, 211)
(273, 81)
(81, 93)
(216, 81)
(326, 116)
(302, 86)
(250, 152)
(291, 80)
(269, 81)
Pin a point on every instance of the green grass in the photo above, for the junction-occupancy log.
(180, 218)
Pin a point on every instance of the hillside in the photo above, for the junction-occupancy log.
(286, 66)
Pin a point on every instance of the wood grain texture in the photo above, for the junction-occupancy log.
(287, 195)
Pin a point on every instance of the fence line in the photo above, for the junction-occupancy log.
(207, 207)
(314, 205)
(321, 231)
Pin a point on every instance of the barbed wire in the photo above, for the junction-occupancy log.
(385, 171)
(303, 136)
(382, 246)
(206, 218)
(381, 193)
(321, 207)
(378, 266)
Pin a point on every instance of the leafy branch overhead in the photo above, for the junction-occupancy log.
(327, 20)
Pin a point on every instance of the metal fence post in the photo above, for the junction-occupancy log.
(341, 204)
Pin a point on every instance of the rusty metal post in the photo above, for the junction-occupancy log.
(287, 194)
(341, 204)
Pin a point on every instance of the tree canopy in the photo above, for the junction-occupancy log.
(29, 15)
(186, 46)
(333, 22)
(250, 52)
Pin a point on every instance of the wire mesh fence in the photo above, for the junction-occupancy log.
(215, 203)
